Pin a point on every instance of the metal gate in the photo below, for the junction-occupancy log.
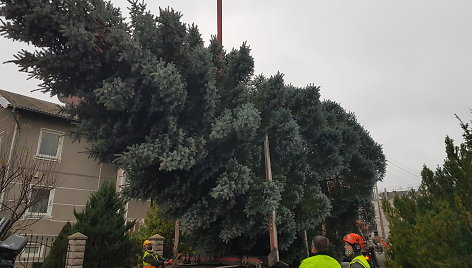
(37, 248)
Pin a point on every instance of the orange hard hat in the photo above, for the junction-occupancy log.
(354, 239)
(146, 242)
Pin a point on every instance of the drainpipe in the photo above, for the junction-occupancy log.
(10, 153)
(120, 181)
(99, 175)
(15, 133)
(123, 180)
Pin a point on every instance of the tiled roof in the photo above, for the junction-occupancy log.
(31, 104)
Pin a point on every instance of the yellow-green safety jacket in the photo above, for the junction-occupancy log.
(320, 261)
(149, 257)
(360, 260)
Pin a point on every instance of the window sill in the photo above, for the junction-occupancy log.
(36, 216)
(48, 158)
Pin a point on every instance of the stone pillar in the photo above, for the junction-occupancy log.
(76, 250)
(157, 242)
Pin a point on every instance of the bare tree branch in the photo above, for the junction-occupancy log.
(23, 180)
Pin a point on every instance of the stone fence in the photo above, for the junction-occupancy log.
(77, 242)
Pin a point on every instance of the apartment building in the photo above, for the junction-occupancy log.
(44, 131)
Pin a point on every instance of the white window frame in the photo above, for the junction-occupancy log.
(48, 214)
(58, 155)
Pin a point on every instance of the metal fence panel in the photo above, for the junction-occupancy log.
(37, 248)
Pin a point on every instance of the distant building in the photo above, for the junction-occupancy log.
(41, 126)
(381, 222)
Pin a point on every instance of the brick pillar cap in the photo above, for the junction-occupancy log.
(156, 237)
(77, 236)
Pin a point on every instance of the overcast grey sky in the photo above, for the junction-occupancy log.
(402, 66)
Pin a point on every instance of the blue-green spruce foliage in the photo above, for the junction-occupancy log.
(187, 123)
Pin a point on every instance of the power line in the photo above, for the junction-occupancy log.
(403, 187)
(403, 165)
(406, 171)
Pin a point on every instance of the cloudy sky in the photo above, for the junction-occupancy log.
(402, 66)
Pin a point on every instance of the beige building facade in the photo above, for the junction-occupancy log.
(40, 128)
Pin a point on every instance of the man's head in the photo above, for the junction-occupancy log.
(352, 244)
(147, 245)
(320, 244)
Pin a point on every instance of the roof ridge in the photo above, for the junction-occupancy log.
(32, 104)
(28, 97)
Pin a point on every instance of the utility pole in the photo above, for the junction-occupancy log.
(380, 212)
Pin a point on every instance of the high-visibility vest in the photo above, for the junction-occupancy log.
(148, 265)
(361, 260)
(319, 261)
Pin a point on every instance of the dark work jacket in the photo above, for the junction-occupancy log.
(152, 259)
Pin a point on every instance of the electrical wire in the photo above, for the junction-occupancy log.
(404, 166)
(404, 170)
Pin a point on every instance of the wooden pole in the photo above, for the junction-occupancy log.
(219, 7)
(380, 212)
(274, 245)
(176, 238)
(306, 244)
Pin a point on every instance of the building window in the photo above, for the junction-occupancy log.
(42, 198)
(50, 144)
(33, 250)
